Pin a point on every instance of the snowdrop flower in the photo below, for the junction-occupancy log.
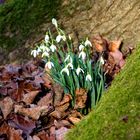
(69, 37)
(88, 77)
(68, 58)
(38, 50)
(81, 47)
(46, 38)
(78, 70)
(102, 60)
(69, 65)
(66, 70)
(34, 53)
(45, 54)
(49, 65)
(54, 22)
(88, 43)
(58, 38)
(64, 38)
(82, 54)
(53, 47)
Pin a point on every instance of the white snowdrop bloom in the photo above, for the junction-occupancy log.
(64, 38)
(53, 47)
(49, 65)
(102, 60)
(78, 70)
(46, 38)
(58, 38)
(88, 43)
(66, 70)
(69, 37)
(81, 47)
(54, 22)
(34, 53)
(69, 65)
(88, 77)
(68, 58)
(43, 47)
(45, 54)
(83, 55)
(38, 50)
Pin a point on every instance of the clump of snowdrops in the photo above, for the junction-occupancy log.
(72, 69)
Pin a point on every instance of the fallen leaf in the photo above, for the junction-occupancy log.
(6, 106)
(114, 45)
(11, 133)
(60, 133)
(74, 120)
(81, 97)
(47, 80)
(66, 99)
(46, 100)
(36, 137)
(58, 90)
(24, 123)
(61, 123)
(28, 98)
(34, 112)
(43, 135)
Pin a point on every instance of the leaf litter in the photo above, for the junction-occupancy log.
(33, 107)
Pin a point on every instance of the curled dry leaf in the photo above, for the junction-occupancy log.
(81, 97)
(10, 132)
(114, 45)
(74, 120)
(34, 112)
(46, 100)
(66, 99)
(6, 106)
(29, 97)
(63, 107)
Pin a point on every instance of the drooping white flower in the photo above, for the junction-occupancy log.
(83, 55)
(68, 58)
(78, 70)
(45, 54)
(46, 38)
(69, 37)
(88, 43)
(58, 38)
(44, 48)
(49, 65)
(81, 47)
(88, 77)
(69, 65)
(65, 70)
(54, 22)
(53, 47)
(34, 53)
(102, 60)
(64, 38)
(38, 50)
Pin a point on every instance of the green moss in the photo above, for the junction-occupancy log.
(19, 18)
(117, 116)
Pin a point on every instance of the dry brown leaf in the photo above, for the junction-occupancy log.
(62, 123)
(43, 135)
(58, 90)
(98, 47)
(36, 137)
(6, 106)
(29, 97)
(74, 120)
(34, 112)
(81, 97)
(46, 100)
(52, 133)
(66, 99)
(47, 80)
(63, 107)
(56, 114)
(114, 45)
(11, 133)
(60, 133)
